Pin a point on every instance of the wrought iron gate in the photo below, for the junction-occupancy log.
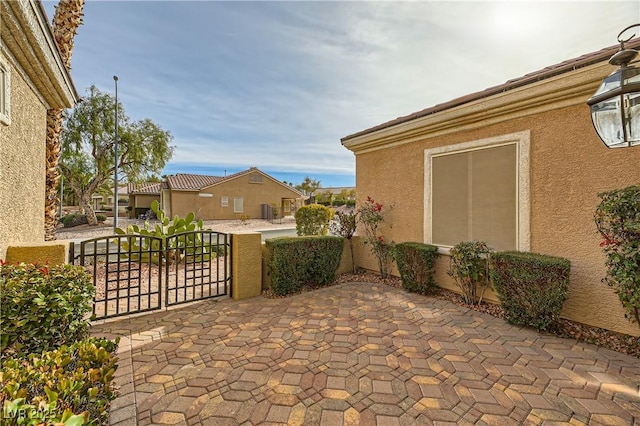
(139, 273)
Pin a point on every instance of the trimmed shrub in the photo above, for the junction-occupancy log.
(313, 219)
(532, 287)
(469, 268)
(43, 308)
(101, 217)
(416, 262)
(296, 262)
(74, 219)
(70, 385)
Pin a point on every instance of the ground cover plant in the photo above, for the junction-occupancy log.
(70, 385)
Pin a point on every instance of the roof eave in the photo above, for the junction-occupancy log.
(26, 31)
(354, 141)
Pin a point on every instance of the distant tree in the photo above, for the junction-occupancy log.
(308, 185)
(324, 197)
(87, 160)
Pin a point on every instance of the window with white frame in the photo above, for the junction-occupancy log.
(479, 191)
(238, 205)
(5, 115)
(224, 201)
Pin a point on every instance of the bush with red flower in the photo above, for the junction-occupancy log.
(371, 215)
(618, 221)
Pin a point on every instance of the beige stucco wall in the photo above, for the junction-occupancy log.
(22, 164)
(209, 208)
(569, 167)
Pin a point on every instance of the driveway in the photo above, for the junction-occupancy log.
(360, 354)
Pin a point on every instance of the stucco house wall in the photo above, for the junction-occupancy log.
(567, 166)
(207, 203)
(35, 80)
(22, 165)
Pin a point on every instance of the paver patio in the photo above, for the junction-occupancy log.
(360, 354)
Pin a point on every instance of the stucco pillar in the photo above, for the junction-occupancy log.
(46, 253)
(246, 261)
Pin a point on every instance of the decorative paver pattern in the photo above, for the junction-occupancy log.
(360, 354)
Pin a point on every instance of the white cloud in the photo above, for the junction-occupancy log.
(277, 84)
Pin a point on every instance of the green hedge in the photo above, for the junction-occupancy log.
(416, 262)
(70, 385)
(295, 262)
(43, 308)
(532, 287)
(313, 219)
(74, 219)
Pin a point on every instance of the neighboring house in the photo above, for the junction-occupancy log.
(32, 80)
(141, 195)
(246, 193)
(105, 203)
(518, 165)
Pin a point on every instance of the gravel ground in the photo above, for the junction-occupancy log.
(106, 229)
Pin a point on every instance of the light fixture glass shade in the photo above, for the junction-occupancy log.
(615, 108)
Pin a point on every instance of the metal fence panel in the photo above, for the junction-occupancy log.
(198, 266)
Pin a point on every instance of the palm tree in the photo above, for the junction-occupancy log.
(66, 20)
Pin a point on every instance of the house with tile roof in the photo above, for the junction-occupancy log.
(518, 165)
(141, 195)
(33, 79)
(245, 193)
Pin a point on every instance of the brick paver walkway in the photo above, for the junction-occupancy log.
(360, 354)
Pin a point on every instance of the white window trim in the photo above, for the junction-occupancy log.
(5, 110)
(235, 210)
(523, 185)
(224, 201)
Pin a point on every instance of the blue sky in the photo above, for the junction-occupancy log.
(275, 85)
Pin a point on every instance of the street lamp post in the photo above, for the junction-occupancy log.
(115, 157)
(615, 107)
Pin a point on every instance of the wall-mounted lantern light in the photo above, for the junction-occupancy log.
(615, 107)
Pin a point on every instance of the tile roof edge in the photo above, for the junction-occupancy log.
(543, 74)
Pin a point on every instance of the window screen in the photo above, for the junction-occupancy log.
(238, 205)
(474, 197)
